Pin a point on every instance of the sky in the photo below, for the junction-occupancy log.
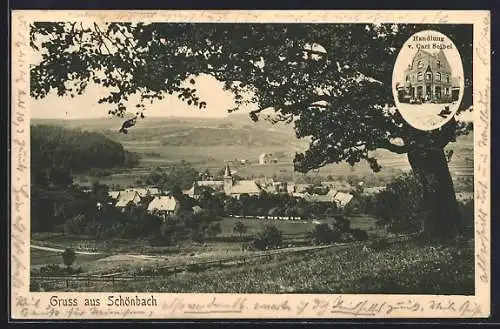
(85, 106)
(406, 55)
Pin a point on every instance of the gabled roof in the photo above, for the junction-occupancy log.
(245, 186)
(210, 183)
(163, 203)
(114, 194)
(154, 191)
(318, 198)
(373, 190)
(342, 199)
(126, 197)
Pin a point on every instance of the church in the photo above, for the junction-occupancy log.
(229, 185)
(235, 188)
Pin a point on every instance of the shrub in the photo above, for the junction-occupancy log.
(399, 206)
(270, 237)
(55, 269)
(359, 234)
(323, 233)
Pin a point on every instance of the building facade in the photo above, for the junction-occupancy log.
(427, 79)
(235, 188)
(266, 158)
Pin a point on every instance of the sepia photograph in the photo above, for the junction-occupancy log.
(252, 157)
(429, 88)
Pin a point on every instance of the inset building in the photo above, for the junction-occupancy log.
(428, 79)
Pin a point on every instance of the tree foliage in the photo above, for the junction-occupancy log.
(331, 81)
(56, 153)
(337, 97)
(69, 257)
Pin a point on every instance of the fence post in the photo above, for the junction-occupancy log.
(67, 283)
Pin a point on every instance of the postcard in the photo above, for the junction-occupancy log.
(221, 164)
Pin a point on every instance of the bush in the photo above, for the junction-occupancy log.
(323, 233)
(399, 206)
(55, 269)
(359, 234)
(270, 238)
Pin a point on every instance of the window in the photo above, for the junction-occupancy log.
(420, 76)
(420, 64)
(447, 78)
(428, 76)
(407, 78)
(438, 76)
(438, 63)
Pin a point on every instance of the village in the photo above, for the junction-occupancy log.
(165, 203)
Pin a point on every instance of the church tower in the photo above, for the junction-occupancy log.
(228, 180)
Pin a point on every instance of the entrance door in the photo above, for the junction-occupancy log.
(428, 92)
(438, 93)
(420, 92)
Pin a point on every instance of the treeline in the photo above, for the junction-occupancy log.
(55, 150)
(400, 208)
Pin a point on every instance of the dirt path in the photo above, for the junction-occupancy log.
(62, 250)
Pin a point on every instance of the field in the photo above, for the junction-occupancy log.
(117, 254)
(406, 268)
(207, 143)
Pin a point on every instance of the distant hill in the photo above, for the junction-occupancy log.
(236, 129)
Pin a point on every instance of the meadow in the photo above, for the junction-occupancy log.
(401, 268)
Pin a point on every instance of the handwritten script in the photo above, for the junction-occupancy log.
(19, 158)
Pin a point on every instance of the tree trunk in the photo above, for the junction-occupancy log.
(442, 217)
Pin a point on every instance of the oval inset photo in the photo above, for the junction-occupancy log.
(428, 80)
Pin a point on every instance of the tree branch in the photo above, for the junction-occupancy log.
(398, 149)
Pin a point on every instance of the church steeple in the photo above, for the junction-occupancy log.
(228, 180)
(227, 171)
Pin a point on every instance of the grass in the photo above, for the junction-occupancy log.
(289, 228)
(405, 268)
(42, 257)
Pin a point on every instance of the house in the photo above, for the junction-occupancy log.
(301, 188)
(145, 191)
(128, 198)
(199, 186)
(114, 194)
(342, 186)
(236, 188)
(367, 191)
(342, 199)
(164, 205)
(427, 78)
(266, 158)
(318, 198)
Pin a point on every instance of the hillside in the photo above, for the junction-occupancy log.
(208, 142)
